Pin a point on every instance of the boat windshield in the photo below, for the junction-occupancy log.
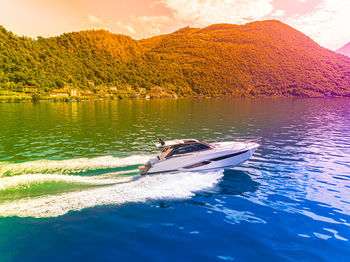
(183, 149)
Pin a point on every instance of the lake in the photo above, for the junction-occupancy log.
(70, 189)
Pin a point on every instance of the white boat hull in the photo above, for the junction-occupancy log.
(224, 155)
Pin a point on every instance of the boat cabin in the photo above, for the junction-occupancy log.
(183, 148)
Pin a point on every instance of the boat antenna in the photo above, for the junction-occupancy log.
(161, 141)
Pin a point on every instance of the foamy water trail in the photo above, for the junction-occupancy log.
(70, 165)
(163, 186)
(25, 181)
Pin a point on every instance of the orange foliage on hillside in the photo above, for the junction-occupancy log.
(265, 58)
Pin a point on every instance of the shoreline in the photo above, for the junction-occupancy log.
(78, 100)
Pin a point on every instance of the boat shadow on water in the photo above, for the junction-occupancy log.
(237, 182)
(233, 183)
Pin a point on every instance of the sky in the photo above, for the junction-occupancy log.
(325, 21)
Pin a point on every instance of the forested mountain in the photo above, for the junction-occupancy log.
(345, 50)
(85, 60)
(265, 58)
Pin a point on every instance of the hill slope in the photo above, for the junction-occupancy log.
(345, 50)
(79, 59)
(265, 58)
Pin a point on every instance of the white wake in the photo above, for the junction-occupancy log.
(27, 180)
(124, 190)
(69, 166)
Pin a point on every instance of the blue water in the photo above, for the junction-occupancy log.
(289, 202)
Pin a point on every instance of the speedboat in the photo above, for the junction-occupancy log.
(192, 155)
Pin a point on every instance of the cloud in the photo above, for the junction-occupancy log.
(123, 28)
(196, 13)
(95, 20)
(152, 25)
(205, 12)
(278, 13)
(328, 24)
(117, 27)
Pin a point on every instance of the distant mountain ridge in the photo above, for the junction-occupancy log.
(266, 58)
(345, 50)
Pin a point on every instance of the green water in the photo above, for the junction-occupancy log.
(70, 189)
(32, 131)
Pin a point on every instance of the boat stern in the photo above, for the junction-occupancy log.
(145, 168)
